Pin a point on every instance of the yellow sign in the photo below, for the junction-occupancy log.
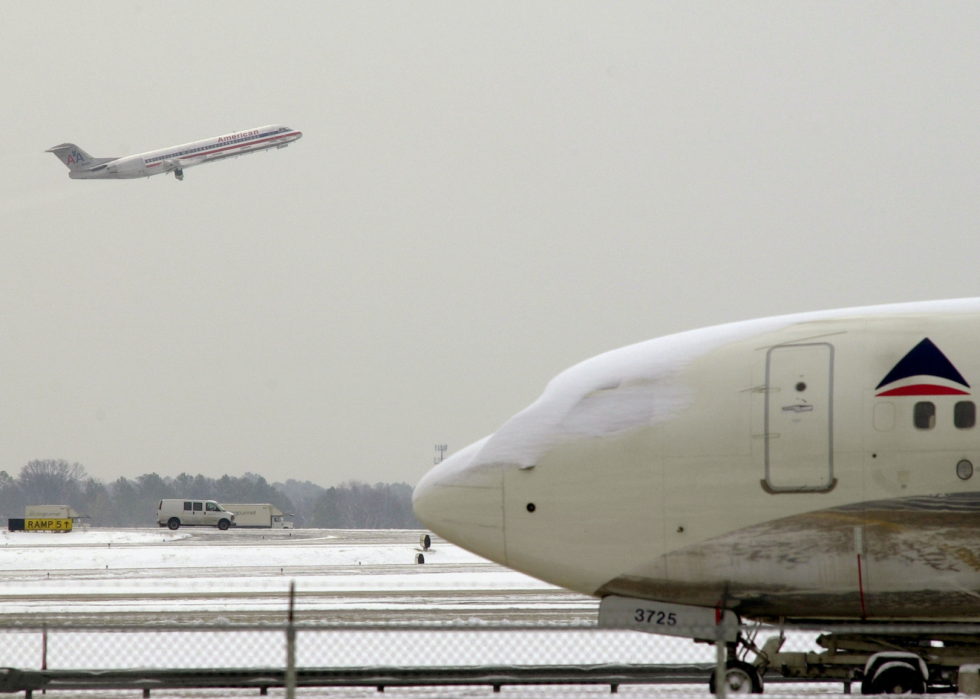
(47, 525)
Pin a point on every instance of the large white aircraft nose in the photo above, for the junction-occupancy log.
(464, 505)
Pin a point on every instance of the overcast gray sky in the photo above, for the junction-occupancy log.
(485, 194)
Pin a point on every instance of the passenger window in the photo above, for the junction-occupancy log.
(212, 507)
(198, 507)
(965, 414)
(187, 506)
(924, 415)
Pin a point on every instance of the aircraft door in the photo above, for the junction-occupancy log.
(799, 426)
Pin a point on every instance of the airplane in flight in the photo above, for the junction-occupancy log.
(805, 469)
(82, 166)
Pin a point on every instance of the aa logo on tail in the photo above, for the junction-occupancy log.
(917, 371)
(75, 157)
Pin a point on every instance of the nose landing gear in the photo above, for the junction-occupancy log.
(740, 678)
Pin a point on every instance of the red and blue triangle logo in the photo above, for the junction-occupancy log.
(924, 360)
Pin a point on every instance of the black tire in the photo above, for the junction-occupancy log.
(173, 524)
(741, 678)
(223, 525)
(898, 679)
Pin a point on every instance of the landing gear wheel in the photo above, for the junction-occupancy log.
(173, 523)
(223, 525)
(740, 678)
(900, 678)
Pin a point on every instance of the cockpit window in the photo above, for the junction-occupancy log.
(924, 415)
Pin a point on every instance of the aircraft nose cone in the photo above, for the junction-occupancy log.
(464, 505)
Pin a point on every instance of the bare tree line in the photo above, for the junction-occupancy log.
(133, 502)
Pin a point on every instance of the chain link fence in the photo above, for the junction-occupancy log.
(450, 659)
(162, 647)
(470, 658)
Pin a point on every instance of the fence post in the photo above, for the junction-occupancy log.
(721, 681)
(291, 646)
(44, 650)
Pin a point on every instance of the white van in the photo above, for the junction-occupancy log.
(193, 513)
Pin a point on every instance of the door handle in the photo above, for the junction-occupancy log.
(797, 408)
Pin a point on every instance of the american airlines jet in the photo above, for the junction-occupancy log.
(82, 166)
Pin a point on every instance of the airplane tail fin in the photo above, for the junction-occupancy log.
(73, 156)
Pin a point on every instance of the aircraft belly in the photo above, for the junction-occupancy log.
(222, 156)
(920, 559)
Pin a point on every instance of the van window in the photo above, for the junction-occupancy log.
(924, 415)
(965, 414)
(213, 508)
(187, 506)
(198, 507)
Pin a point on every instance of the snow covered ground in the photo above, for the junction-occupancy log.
(200, 575)
(90, 537)
(142, 578)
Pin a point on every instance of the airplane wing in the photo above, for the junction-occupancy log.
(180, 163)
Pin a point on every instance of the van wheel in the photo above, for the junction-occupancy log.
(173, 523)
(223, 525)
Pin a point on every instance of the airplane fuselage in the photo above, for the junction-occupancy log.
(177, 158)
(818, 466)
